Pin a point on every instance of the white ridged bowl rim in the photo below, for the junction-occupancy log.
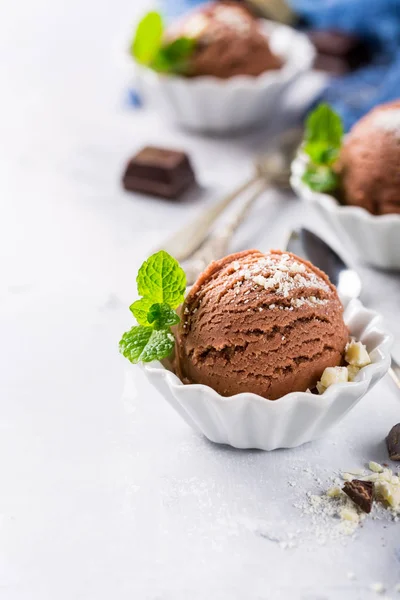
(376, 370)
(330, 203)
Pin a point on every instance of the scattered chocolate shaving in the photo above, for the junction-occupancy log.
(361, 492)
(393, 442)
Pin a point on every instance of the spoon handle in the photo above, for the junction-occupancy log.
(394, 372)
(217, 244)
(190, 237)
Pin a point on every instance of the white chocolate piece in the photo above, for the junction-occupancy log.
(352, 371)
(334, 492)
(330, 376)
(333, 375)
(388, 492)
(358, 472)
(349, 514)
(375, 467)
(378, 588)
(356, 354)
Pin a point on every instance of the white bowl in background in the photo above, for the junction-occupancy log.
(372, 239)
(249, 421)
(210, 104)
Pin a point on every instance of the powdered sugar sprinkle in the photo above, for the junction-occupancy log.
(389, 120)
(284, 275)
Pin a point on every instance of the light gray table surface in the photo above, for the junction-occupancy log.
(104, 492)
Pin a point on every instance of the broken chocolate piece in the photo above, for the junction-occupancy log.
(335, 65)
(361, 492)
(159, 172)
(334, 43)
(393, 442)
(338, 52)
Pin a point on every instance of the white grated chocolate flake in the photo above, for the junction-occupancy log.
(285, 275)
(356, 354)
(389, 120)
(375, 467)
(231, 17)
(377, 587)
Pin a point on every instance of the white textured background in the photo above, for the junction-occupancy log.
(105, 495)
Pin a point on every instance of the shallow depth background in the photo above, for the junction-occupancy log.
(104, 492)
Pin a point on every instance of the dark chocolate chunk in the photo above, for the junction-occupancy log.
(159, 172)
(335, 43)
(339, 52)
(361, 492)
(331, 64)
(393, 442)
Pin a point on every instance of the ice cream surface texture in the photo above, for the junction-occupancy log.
(263, 323)
(229, 42)
(369, 164)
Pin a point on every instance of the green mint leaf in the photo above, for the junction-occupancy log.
(161, 316)
(320, 153)
(320, 178)
(324, 124)
(174, 57)
(145, 344)
(140, 310)
(162, 280)
(160, 63)
(179, 50)
(148, 38)
(323, 135)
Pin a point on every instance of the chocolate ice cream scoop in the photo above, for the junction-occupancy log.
(369, 164)
(229, 42)
(263, 323)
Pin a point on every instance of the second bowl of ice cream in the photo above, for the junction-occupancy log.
(234, 70)
(364, 203)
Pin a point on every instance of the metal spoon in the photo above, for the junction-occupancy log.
(216, 244)
(308, 245)
(271, 168)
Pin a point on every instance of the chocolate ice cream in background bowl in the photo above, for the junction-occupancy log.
(354, 180)
(218, 69)
(259, 353)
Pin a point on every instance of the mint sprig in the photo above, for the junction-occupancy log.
(322, 143)
(161, 283)
(149, 47)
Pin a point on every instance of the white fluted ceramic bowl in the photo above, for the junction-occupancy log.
(372, 239)
(250, 421)
(210, 104)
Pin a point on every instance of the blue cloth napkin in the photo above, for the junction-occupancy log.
(378, 20)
